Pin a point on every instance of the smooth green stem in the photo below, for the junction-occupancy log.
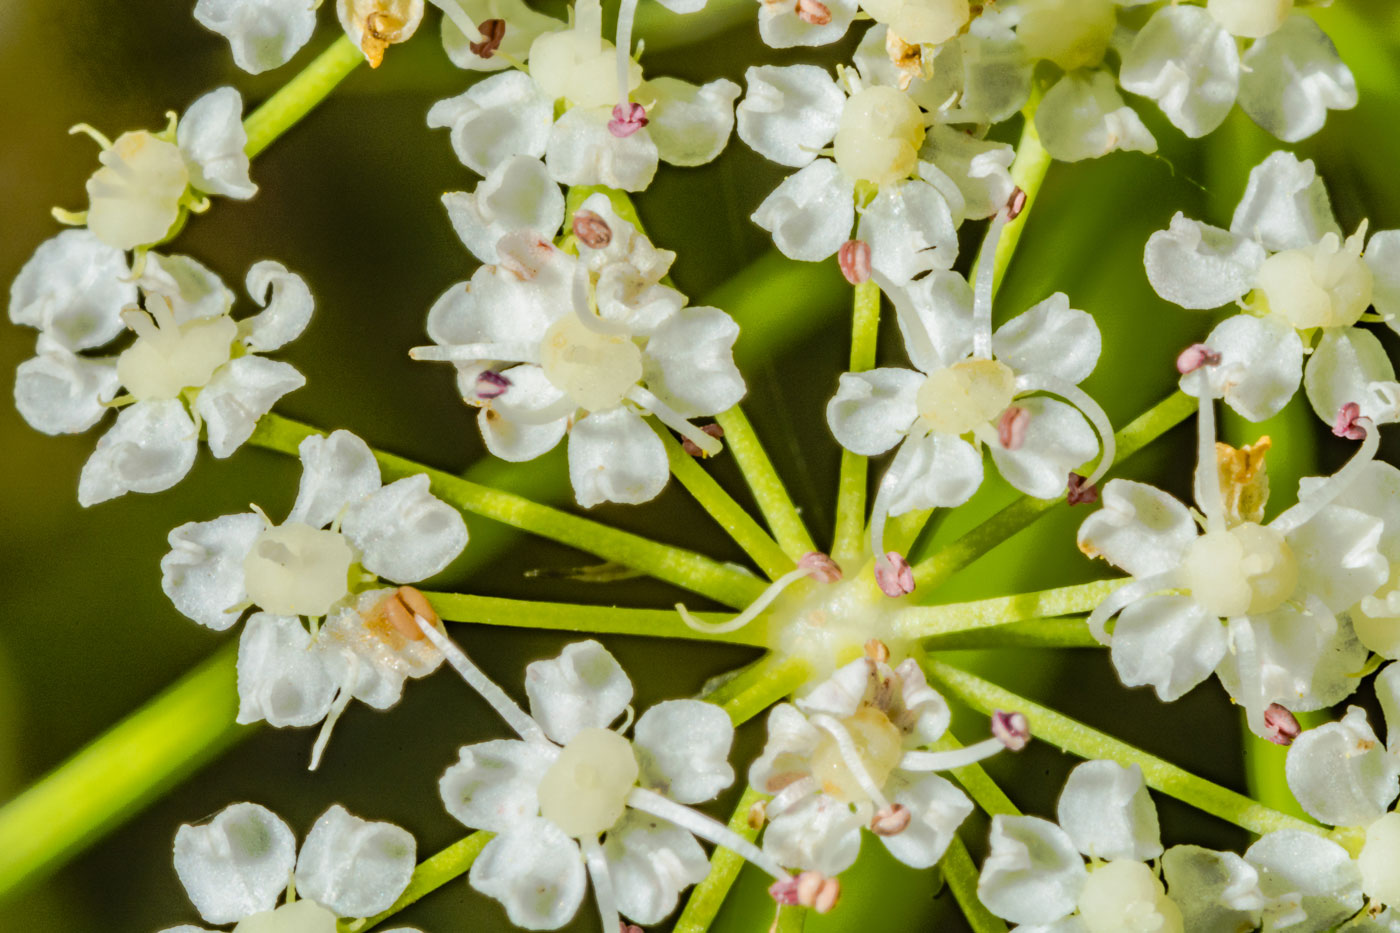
(928, 621)
(1264, 765)
(1036, 633)
(595, 620)
(125, 768)
(961, 874)
(708, 896)
(298, 96)
(850, 495)
(683, 568)
(1023, 511)
(720, 690)
(1078, 739)
(431, 874)
(767, 688)
(767, 487)
(720, 505)
(790, 920)
(1028, 171)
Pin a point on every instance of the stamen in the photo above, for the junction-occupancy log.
(627, 119)
(342, 700)
(689, 446)
(752, 611)
(1344, 424)
(1196, 356)
(1208, 493)
(892, 571)
(92, 133)
(493, 32)
(585, 310)
(758, 815)
(813, 12)
(982, 288)
(491, 384)
(1121, 598)
(462, 21)
(1281, 726)
(401, 609)
(1011, 429)
(891, 822)
(1039, 382)
(1016, 204)
(626, 13)
(792, 794)
(667, 416)
(954, 758)
(850, 757)
(592, 230)
(1334, 485)
(894, 576)
(1011, 729)
(809, 889)
(1078, 492)
(877, 651)
(505, 707)
(69, 218)
(706, 828)
(1243, 646)
(511, 352)
(854, 255)
(603, 893)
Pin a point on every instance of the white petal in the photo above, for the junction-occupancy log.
(1346, 361)
(505, 115)
(1185, 61)
(354, 14)
(335, 471)
(1341, 773)
(651, 862)
(1292, 77)
(980, 169)
(1294, 862)
(630, 298)
(1106, 811)
(282, 677)
(628, 244)
(943, 472)
(192, 289)
(1084, 118)
(583, 151)
(790, 113)
(522, 24)
(1057, 440)
(1198, 266)
(689, 362)
(996, 76)
(1050, 339)
(871, 411)
(535, 871)
(1033, 873)
(404, 532)
(211, 138)
(909, 230)
(1285, 205)
(1169, 643)
(497, 307)
(810, 214)
(615, 457)
(59, 392)
(1218, 892)
(1383, 258)
(683, 749)
(788, 750)
(354, 867)
(515, 440)
(73, 288)
(937, 809)
(284, 316)
(922, 712)
(493, 784)
(1140, 529)
(689, 123)
(203, 571)
(241, 392)
(781, 27)
(1261, 364)
(841, 694)
(1338, 556)
(150, 448)
(263, 33)
(583, 688)
(518, 194)
(819, 833)
(237, 863)
(941, 305)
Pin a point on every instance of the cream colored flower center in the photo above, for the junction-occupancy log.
(134, 199)
(879, 745)
(879, 136)
(594, 369)
(579, 67)
(966, 394)
(1071, 33)
(1380, 860)
(1124, 896)
(1251, 19)
(1247, 570)
(585, 790)
(920, 21)
(296, 570)
(297, 917)
(168, 357)
(1327, 284)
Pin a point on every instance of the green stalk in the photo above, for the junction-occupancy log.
(767, 487)
(708, 896)
(1034, 633)
(683, 568)
(770, 686)
(850, 496)
(431, 874)
(974, 779)
(1028, 171)
(790, 920)
(721, 506)
(1078, 739)
(962, 875)
(928, 621)
(297, 97)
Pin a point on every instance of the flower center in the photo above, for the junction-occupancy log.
(1125, 897)
(134, 198)
(585, 790)
(297, 570)
(297, 917)
(1251, 19)
(168, 357)
(1246, 570)
(1071, 33)
(879, 745)
(920, 21)
(879, 137)
(596, 370)
(957, 399)
(1327, 284)
(1380, 860)
(579, 67)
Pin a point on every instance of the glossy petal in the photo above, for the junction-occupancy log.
(1292, 77)
(241, 392)
(1261, 363)
(211, 138)
(1218, 892)
(285, 314)
(938, 808)
(1107, 813)
(73, 288)
(518, 194)
(523, 27)
(1198, 266)
(1338, 555)
(336, 470)
(505, 115)
(583, 151)
(535, 871)
(1185, 61)
(263, 34)
(192, 289)
(943, 472)
(236, 864)
(1051, 339)
(1082, 117)
(1169, 643)
(510, 427)
(1057, 440)
(403, 532)
(980, 169)
(1285, 205)
(1341, 773)
(59, 392)
(690, 124)
(1298, 869)
(150, 448)
(872, 411)
(1033, 873)
(782, 28)
(615, 457)
(355, 867)
(583, 688)
(935, 318)
(1342, 368)
(1383, 259)
(493, 785)
(819, 833)
(909, 230)
(788, 751)
(282, 677)
(682, 747)
(790, 113)
(203, 572)
(810, 214)
(689, 362)
(651, 862)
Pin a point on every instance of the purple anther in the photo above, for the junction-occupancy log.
(1280, 725)
(692, 448)
(1011, 729)
(854, 258)
(491, 384)
(1345, 424)
(1015, 204)
(492, 32)
(891, 822)
(1196, 356)
(1077, 493)
(592, 230)
(819, 567)
(894, 575)
(813, 12)
(1011, 429)
(627, 119)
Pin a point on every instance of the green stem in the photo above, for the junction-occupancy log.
(962, 875)
(298, 96)
(431, 874)
(767, 487)
(928, 621)
(850, 496)
(708, 896)
(1024, 510)
(1028, 171)
(1035, 633)
(790, 920)
(765, 689)
(731, 516)
(1078, 739)
(1264, 766)
(596, 620)
(125, 768)
(974, 779)
(674, 565)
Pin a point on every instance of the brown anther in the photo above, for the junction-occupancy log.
(877, 651)
(492, 32)
(592, 230)
(1011, 729)
(1196, 356)
(381, 30)
(813, 12)
(758, 814)
(692, 448)
(1015, 204)
(400, 610)
(1077, 492)
(1244, 479)
(854, 260)
(891, 822)
(1281, 725)
(820, 567)
(908, 57)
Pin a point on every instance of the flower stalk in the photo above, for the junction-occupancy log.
(299, 96)
(850, 495)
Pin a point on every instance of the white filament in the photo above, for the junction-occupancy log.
(880, 511)
(342, 700)
(982, 288)
(706, 828)
(1334, 485)
(1208, 494)
(625, 16)
(505, 707)
(1121, 598)
(673, 420)
(516, 352)
(764, 600)
(793, 794)
(954, 758)
(850, 757)
(602, 883)
(1035, 382)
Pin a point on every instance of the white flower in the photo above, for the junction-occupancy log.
(191, 365)
(519, 27)
(788, 23)
(1034, 873)
(533, 353)
(236, 867)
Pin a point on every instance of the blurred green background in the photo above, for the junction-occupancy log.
(349, 199)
